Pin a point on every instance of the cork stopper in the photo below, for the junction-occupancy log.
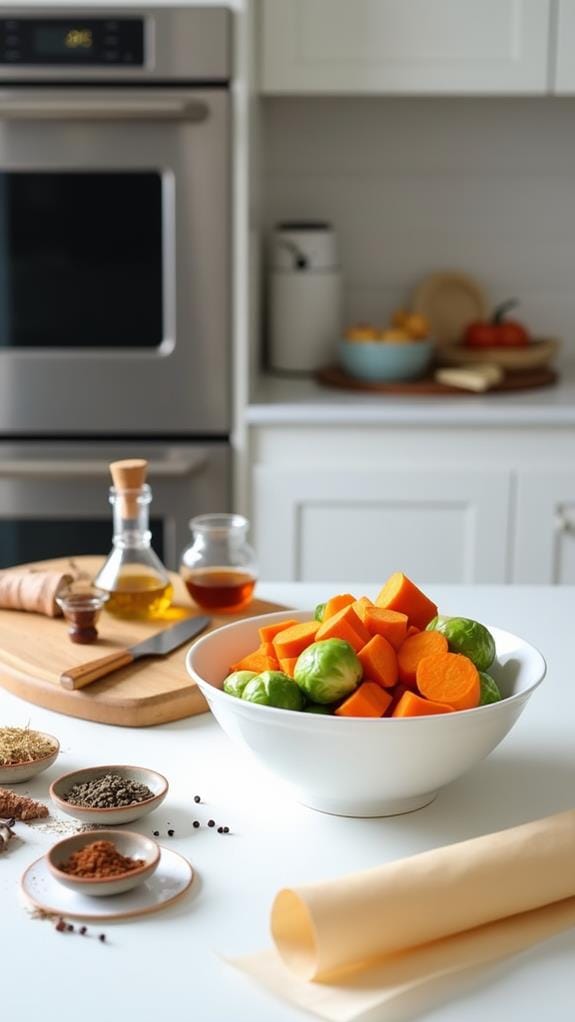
(129, 476)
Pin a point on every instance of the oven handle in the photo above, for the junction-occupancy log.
(68, 469)
(100, 109)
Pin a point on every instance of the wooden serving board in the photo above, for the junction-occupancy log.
(35, 650)
(333, 376)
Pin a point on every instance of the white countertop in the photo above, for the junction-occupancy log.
(302, 401)
(168, 965)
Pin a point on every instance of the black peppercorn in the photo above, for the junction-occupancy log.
(196, 823)
(70, 928)
(211, 823)
(102, 937)
(170, 833)
(220, 830)
(226, 830)
(197, 798)
(83, 930)
(156, 833)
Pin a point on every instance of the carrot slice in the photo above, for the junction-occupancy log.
(369, 700)
(268, 648)
(345, 625)
(269, 632)
(411, 705)
(389, 623)
(360, 606)
(400, 593)
(257, 662)
(379, 661)
(449, 678)
(337, 603)
(413, 650)
(294, 640)
(287, 665)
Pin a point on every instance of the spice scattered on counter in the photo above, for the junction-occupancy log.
(197, 798)
(20, 807)
(62, 926)
(6, 832)
(211, 823)
(171, 833)
(196, 824)
(99, 860)
(21, 745)
(156, 833)
(107, 792)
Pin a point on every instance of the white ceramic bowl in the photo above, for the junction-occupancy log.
(157, 784)
(359, 767)
(15, 773)
(128, 843)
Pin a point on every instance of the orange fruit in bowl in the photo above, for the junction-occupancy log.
(416, 325)
(395, 335)
(361, 332)
(399, 318)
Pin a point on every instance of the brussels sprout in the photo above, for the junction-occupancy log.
(324, 710)
(328, 670)
(274, 688)
(235, 683)
(489, 689)
(319, 612)
(467, 637)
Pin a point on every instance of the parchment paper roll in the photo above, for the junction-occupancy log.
(343, 924)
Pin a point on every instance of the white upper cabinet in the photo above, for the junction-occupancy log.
(565, 64)
(407, 46)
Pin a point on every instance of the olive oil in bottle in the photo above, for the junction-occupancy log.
(133, 575)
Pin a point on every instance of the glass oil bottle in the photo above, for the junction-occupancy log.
(133, 575)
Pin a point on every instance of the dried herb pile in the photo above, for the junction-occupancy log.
(21, 745)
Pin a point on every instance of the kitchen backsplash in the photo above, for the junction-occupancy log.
(486, 186)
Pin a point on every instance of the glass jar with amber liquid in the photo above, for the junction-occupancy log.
(219, 568)
(134, 577)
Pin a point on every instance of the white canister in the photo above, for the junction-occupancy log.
(304, 297)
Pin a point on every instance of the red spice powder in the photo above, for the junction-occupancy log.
(99, 860)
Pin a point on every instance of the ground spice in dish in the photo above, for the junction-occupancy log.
(21, 745)
(99, 860)
(20, 807)
(107, 792)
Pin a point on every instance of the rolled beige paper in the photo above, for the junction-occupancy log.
(322, 929)
(32, 590)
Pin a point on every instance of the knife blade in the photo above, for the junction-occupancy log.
(159, 644)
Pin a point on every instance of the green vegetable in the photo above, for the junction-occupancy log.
(274, 688)
(319, 612)
(328, 670)
(318, 708)
(235, 683)
(467, 637)
(489, 689)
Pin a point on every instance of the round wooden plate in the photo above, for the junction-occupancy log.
(333, 376)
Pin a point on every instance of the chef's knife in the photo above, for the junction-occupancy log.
(157, 645)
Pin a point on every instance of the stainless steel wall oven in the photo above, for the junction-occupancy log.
(114, 260)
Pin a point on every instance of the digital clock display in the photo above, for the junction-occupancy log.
(105, 41)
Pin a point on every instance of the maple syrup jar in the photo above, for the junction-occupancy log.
(218, 568)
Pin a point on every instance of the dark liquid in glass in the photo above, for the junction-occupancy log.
(223, 589)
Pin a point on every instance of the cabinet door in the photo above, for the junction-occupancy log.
(332, 525)
(394, 46)
(544, 549)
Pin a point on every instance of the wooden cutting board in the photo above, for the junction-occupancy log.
(35, 650)
(334, 376)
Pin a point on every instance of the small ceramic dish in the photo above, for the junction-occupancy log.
(14, 773)
(128, 843)
(156, 782)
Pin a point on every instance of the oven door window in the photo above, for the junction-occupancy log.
(36, 540)
(81, 260)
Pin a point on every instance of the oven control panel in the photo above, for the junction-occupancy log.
(72, 42)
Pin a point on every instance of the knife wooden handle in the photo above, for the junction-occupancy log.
(85, 674)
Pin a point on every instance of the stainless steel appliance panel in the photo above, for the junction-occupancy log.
(182, 386)
(54, 496)
(180, 43)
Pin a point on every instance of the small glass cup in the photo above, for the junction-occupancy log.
(219, 567)
(81, 603)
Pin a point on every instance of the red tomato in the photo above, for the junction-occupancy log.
(511, 334)
(480, 335)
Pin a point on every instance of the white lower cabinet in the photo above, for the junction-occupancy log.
(544, 547)
(436, 524)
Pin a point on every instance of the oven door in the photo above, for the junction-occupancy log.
(114, 261)
(53, 497)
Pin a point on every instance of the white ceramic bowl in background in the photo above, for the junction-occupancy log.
(156, 782)
(128, 843)
(358, 767)
(15, 773)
